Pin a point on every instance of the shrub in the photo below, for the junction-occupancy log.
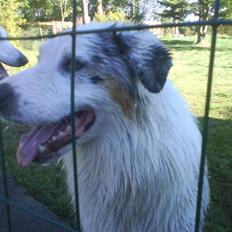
(10, 17)
(111, 16)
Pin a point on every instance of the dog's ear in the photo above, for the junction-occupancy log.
(148, 58)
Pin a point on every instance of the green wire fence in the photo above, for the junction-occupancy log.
(215, 22)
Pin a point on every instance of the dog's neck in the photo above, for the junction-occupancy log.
(125, 166)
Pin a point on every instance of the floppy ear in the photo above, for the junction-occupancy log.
(148, 58)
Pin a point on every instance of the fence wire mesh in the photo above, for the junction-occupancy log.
(215, 22)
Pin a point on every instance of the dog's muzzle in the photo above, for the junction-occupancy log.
(43, 142)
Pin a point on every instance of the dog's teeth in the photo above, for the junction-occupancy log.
(42, 148)
(68, 129)
(54, 137)
(61, 133)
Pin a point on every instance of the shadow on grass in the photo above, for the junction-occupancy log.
(219, 150)
(44, 183)
(223, 49)
(184, 45)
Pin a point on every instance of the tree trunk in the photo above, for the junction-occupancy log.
(85, 11)
(63, 11)
(201, 33)
(204, 8)
(99, 7)
(176, 32)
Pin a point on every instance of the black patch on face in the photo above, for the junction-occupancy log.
(111, 45)
(66, 64)
(8, 100)
(106, 45)
(153, 67)
(96, 79)
(96, 59)
(110, 57)
(114, 44)
(124, 43)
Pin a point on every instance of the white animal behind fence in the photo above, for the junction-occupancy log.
(138, 144)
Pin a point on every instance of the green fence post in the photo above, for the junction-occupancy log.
(206, 118)
(75, 171)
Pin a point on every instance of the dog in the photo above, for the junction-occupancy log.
(9, 55)
(138, 144)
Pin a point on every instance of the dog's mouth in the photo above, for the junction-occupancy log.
(3, 73)
(43, 142)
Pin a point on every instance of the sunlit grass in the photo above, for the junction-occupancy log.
(189, 74)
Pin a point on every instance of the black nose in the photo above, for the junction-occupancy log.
(8, 100)
(22, 60)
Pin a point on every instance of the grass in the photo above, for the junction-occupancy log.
(44, 183)
(189, 74)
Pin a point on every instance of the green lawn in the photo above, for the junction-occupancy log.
(189, 74)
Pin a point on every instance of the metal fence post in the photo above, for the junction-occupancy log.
(75, 171)
(206, 118)
(214, 22)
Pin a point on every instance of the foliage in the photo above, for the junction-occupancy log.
(174, 9)
(226, 9)
(10, 17)
(110, 16)
(44, 10)
(203, 9)
(130, 8)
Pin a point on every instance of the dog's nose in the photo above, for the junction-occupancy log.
(7, 99)
(22, 60)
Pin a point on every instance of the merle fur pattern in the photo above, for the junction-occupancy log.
(137, 170)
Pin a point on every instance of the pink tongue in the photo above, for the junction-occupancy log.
(29, 143)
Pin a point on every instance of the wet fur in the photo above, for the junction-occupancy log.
(138, 165)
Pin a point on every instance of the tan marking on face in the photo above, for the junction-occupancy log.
(119, 95)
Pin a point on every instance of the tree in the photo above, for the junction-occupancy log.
(85, 11)
(44, 10)
(203, 9)
(65, 8)
(131, 8)
(226, 9)
(10, 16)
(176, 10)
(99, 7)
(150, 9)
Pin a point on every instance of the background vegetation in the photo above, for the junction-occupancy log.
(21, 14)
(189, 74)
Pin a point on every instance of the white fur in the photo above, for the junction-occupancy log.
(8, 53)
(134, 175)
(142, 177)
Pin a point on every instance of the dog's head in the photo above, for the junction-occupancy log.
(9, 55)
(113, 71)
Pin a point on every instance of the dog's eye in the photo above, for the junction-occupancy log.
(96, 79)
(78, 65)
